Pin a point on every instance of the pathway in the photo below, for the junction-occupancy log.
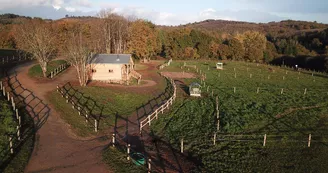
(56, 148)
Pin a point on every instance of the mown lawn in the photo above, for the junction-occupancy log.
(36, 71)
(286, 117)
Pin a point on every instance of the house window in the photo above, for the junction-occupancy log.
(110, 71)
(94, 70)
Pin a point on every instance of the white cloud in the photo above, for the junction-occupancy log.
(57, 7)
(70, 9)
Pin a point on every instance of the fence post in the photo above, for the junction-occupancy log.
(305, 90)
(214, 138)
(149, 165)
(19, 121)
(258, 90)
(96, 126)
(18, 133)
(282, 91)
(182, 145)
(149, 120)
(217, 113)
(11, 145)
(264, 140)
(86, 117)
(113, 139)
(156, 114)
(4, 91)
(234, 89)
(16, 114)
(13, 103)
(309, 141)
(79, 110)
(128, 151)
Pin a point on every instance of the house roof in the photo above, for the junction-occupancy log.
(111, 59)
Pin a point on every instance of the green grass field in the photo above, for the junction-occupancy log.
(286, 118)
(36, 71)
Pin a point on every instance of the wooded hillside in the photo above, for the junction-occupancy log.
(216, 39)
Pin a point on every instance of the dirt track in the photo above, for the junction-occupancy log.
(56, 148)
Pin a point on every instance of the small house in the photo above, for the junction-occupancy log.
(113, 68)
(195, 89)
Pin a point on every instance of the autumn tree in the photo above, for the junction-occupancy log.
(224, 51)
(236, 49)
(191, 53)
(142, 42)
(38, 39)
(254, 44)
(78, 53)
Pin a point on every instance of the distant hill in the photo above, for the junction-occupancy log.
(277, 29)
(9, 18)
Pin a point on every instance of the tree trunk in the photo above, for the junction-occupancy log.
(43, 66)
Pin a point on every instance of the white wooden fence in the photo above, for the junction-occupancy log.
(166, 64)
(161, 109)
(15, 112)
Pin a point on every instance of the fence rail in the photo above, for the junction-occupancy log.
(166, 105)
(58, 70)
(165, 64)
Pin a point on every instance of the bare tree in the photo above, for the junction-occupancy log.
(78, 54)
(38, 39)
(114, 31)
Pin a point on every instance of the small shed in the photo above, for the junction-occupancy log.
(112, 67)
(219, 66)
(195, 89)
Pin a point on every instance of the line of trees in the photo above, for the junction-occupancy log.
(75, 39)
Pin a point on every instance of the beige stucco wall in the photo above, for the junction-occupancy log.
(102, 72)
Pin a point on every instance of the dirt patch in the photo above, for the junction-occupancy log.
(145, 83)
(179, 75)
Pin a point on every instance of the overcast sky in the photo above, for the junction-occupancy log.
(175, 12)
